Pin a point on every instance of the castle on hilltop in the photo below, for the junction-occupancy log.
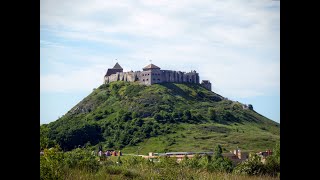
(152, 74)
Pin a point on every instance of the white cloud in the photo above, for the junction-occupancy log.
(227, 42)
(82, 80)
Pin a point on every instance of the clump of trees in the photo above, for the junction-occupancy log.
(176, 116)
(254, 166)
(210, 163)
(124, 129)
(55, 163)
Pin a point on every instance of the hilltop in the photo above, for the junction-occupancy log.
(162, 117)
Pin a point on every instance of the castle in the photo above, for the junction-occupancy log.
(152, 74)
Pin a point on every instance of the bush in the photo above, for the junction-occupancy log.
(221, 165)
(132, 161)
(212, 113)
(273, 161)
(167, 162)
(51, 166)
(253, 166)
(82, 159)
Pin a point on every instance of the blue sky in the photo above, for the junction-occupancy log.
(234, 44)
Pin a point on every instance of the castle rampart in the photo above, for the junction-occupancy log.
(152, 74)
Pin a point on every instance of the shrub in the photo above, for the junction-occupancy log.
(82, 159)
(167, 162)
(212, 113)
(253, 166)
(51, 166)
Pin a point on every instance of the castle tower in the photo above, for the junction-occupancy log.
(151, 74)
(151, 67)
(206, 84)
(116, 68)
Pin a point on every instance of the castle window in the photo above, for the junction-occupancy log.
(147, 79)
(142, 74)
(148, 74)
(143, 79)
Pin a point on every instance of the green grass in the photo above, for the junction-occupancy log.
(81, 164)
(142, 170)
(120, 115)
(155, 174)
(199, 137)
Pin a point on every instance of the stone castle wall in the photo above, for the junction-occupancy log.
(121, 76)
(207, 86)
(154, 76)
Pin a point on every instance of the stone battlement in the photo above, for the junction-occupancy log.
(152, 74)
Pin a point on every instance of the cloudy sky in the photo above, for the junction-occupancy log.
(233, 43)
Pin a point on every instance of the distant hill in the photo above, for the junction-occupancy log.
(161, 118)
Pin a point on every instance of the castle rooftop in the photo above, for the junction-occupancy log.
(150, 66)
(117, 66)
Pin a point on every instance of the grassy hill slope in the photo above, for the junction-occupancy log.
(162, 117)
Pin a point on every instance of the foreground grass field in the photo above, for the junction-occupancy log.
(142, 173)
(81, 164)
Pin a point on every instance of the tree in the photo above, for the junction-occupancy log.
(276, 152)
(157, 116)
(205, 161)
(51, 164)
(253, 166)
(175, 116)
(138, 122)
(110, 144)
(212, 113)
(44, 140)
(82, 159)
(273, 161)
(134, 115)
(220, 163)
(218, 152)
(186, 115)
